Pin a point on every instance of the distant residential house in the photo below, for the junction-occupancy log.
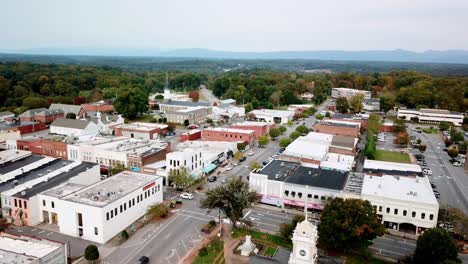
(5, 115)
(73, 127)
(67, 108)
(42, 115)
(106, 122)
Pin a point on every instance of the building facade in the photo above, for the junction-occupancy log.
(348, 93)
(273, 116)
(103, 210)
(229, 135)
(260, 128)
(140, 130)
(73, 127)
(431, 116)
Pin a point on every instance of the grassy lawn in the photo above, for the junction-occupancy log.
(215, 248)
(392, 156)
(270, 252)
(428, 130)
(264, 238)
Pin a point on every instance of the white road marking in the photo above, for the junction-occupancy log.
(246, 214)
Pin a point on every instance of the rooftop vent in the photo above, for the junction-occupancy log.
(277, 176)
(23, 193)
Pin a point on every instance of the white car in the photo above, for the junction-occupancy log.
(187, 196)
(228, 168)
(457, 164)
(427, 171)
(251, 153)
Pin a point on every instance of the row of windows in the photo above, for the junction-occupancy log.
(51, 203)
(20, 204)
(309, 196)
(404, 212)
(225, 135)
(139, 198)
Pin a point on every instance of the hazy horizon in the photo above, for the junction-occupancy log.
(236, 26)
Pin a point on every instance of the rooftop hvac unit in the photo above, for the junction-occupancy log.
(23, 193)
(277, 176)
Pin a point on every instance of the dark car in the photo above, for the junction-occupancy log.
(265, 163)
(212, 178)
(242, 159)
(445, 149)
(143, 260)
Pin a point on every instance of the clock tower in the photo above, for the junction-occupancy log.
(304, 244)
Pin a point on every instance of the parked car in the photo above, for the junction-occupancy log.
(427, 171)
(212, 178)
(192, 126)
(436, 193)
(228, 168)
(242, 159)
(457, 164)
(143, 260)
(186, 196)
(251, 153)
(265, 163)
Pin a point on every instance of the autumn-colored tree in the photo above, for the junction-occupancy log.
(195, 95)
(402, 139)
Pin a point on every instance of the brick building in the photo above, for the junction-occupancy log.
(47, 147)
(338, 128)
(41, 115)
(24, 127)
(140, 130)
(229, 134)
(259, 128)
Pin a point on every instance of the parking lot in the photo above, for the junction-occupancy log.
(450, 181)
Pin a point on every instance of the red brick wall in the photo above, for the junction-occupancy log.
(337, 130)
(258, 130)
(46, 147)
(210, 135)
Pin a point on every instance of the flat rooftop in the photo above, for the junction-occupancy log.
(124, 144)
(229, 130)
(185, 103)
(23, 250)
(414, 189)
(340, 123)
(252, 123)
(109, 190)
(15, 125)
(36, 165)
(293, 172)
(54, 181)
(391, 168)
(141, 126)
(274, 113)
(344, 142)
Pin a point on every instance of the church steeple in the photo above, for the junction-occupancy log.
(304, 242)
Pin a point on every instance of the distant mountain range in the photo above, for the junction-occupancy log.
(399, 55)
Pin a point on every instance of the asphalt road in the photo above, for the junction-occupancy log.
(393, 247)
(451, 181)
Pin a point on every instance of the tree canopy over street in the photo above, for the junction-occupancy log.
(232, 198)
(348, 224)
(435, 246)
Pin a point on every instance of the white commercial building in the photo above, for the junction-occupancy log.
(431, 116)
(371, 105)
(74, 127)
(29, 250)
(113, 151)
(199, 157)
(322, 150)
(5, 115)
(103, 210)
(348, 93)
(274, 116)
(228, 110)
(288, 184)
(403, 203)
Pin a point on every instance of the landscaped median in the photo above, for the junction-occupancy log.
(211, 253)
(263, 238)
(392, 156)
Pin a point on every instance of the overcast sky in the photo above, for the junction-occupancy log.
(238, 25)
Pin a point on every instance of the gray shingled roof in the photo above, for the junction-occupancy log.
(67, 108)
(71, 123)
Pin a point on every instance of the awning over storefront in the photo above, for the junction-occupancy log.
(209, 168)
(301, 204)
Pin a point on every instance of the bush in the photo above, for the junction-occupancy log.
(91, 253)
(203, 252)
(124, 235)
